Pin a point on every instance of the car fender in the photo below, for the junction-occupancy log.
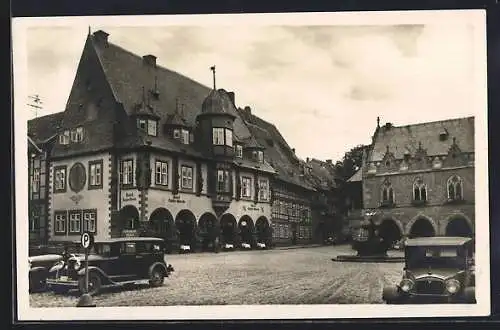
(390, 293)
(38, 269)
(58, 266)
(158, 264)
(103, 275)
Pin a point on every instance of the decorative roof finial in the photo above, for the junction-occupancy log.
(90, 31)
(213, 73)
(387, 148)
(378, 122)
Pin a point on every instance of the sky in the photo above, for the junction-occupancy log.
(322, 86)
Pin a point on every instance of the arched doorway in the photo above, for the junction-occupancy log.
(128, 221)
(458, 226)
(262, 230)
(185, 222)
(390, 231)
(246, 229)
(161, 224)
(422, 227)
(207, 226)
(228, 229)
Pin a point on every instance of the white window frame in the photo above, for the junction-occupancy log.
(35, 180)
(60, 178)
(260, 156)
(218, 136)
(228, 137)
(96, 174)
(127, 172)
(161, 173)
(263, 189)
(185, 136)
(239, 151)
(246, 187)
(64, 138)
(75, 223)
(186, 177)
(225, 183)
(142, 124)
(152, 127)
(177, 133)
(90, 221)
(79, 134)
(60, 223)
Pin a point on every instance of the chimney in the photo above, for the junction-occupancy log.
(329, 161)
(248, 110)
(101, 37)
(307, 159)
(388, 126)
(231, 97)
(293, 150)
(149, 60)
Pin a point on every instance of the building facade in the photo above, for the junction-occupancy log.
(142, 150)
(420, 179)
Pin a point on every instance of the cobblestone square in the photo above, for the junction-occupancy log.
(292, 276)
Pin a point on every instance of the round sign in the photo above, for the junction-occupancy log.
(77, 177)
(87, 240)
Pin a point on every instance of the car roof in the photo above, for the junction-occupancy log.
(437, 241)
(130, 239)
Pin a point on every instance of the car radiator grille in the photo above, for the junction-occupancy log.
(430, 287)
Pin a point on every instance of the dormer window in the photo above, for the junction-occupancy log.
(77, 134)
(239, 151)
(185, 136)
(64, 137)
(222, 136)
(149, 126)
(177, 133)
(258, 156)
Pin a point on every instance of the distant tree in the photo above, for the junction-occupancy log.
(350, 163)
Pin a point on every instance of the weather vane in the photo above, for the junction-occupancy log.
(213, 72)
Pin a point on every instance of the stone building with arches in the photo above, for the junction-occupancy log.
(143, 150)
(420, 178)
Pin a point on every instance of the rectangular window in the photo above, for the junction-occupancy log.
(90, 220)
(64, 137)
(260, 156)
(246, 187)
(60, 223)
(152, 127)
(141, 124)
(218, 136)
(79, 134)
(263, 189)
(229, 137)
(177, 133)
(34, 223)
(187, 177)
(127, 172)
(223, 181)
(35, 180)
(75, 223)
(161, 173)
(239, 151)
(60, 179)
(95, 174)
(185, 136)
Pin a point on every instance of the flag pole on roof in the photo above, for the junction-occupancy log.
(213, 73)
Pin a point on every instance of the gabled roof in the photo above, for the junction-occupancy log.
(401, 139)
(357, 177)
(43, 128)
(322, 174)
(127, 73)
(277, 152)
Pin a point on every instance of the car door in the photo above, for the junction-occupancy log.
(129, 261)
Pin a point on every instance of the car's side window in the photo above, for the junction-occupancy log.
(128, 248)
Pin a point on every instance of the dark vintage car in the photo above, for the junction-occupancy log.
(437, 270)
(39, 269)
(113, 262)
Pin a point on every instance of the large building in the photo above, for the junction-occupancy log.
(419, 178)
(141, 149)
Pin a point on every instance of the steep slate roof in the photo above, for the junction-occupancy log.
(127, 74)
(322, 174)
(357, 177)
(277, 152)
(401, 139)
(41, 129)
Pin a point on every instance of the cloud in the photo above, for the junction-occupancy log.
(322, 86)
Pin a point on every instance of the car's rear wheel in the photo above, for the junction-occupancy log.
(157, 277)
(38, 281)
(94, 284)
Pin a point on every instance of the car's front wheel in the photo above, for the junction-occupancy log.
(94, 284)
(157, 277)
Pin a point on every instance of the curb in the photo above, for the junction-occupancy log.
(294, 247)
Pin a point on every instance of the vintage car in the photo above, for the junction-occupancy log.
(111, 263)
(437, 270)
(39, 269)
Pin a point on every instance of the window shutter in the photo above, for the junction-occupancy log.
(175, 175)
(256, 188)
(238, 185)
(199, 179)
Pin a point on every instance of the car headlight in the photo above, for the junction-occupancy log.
(452, 286)
(406, 285)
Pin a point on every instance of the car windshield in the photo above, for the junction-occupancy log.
(434, 256)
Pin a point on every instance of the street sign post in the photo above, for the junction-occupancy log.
(86, 240)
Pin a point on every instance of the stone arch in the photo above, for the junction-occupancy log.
(421, 226)
(262, 229)
(185, 223)
(207, 225)
(228, 228)
(391, 230)
(246, 229)
(161, 223)
(459, 225)
(129, 218)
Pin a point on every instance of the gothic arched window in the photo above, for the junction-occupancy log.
(387, 193)
(419, 190)
(455, 188)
